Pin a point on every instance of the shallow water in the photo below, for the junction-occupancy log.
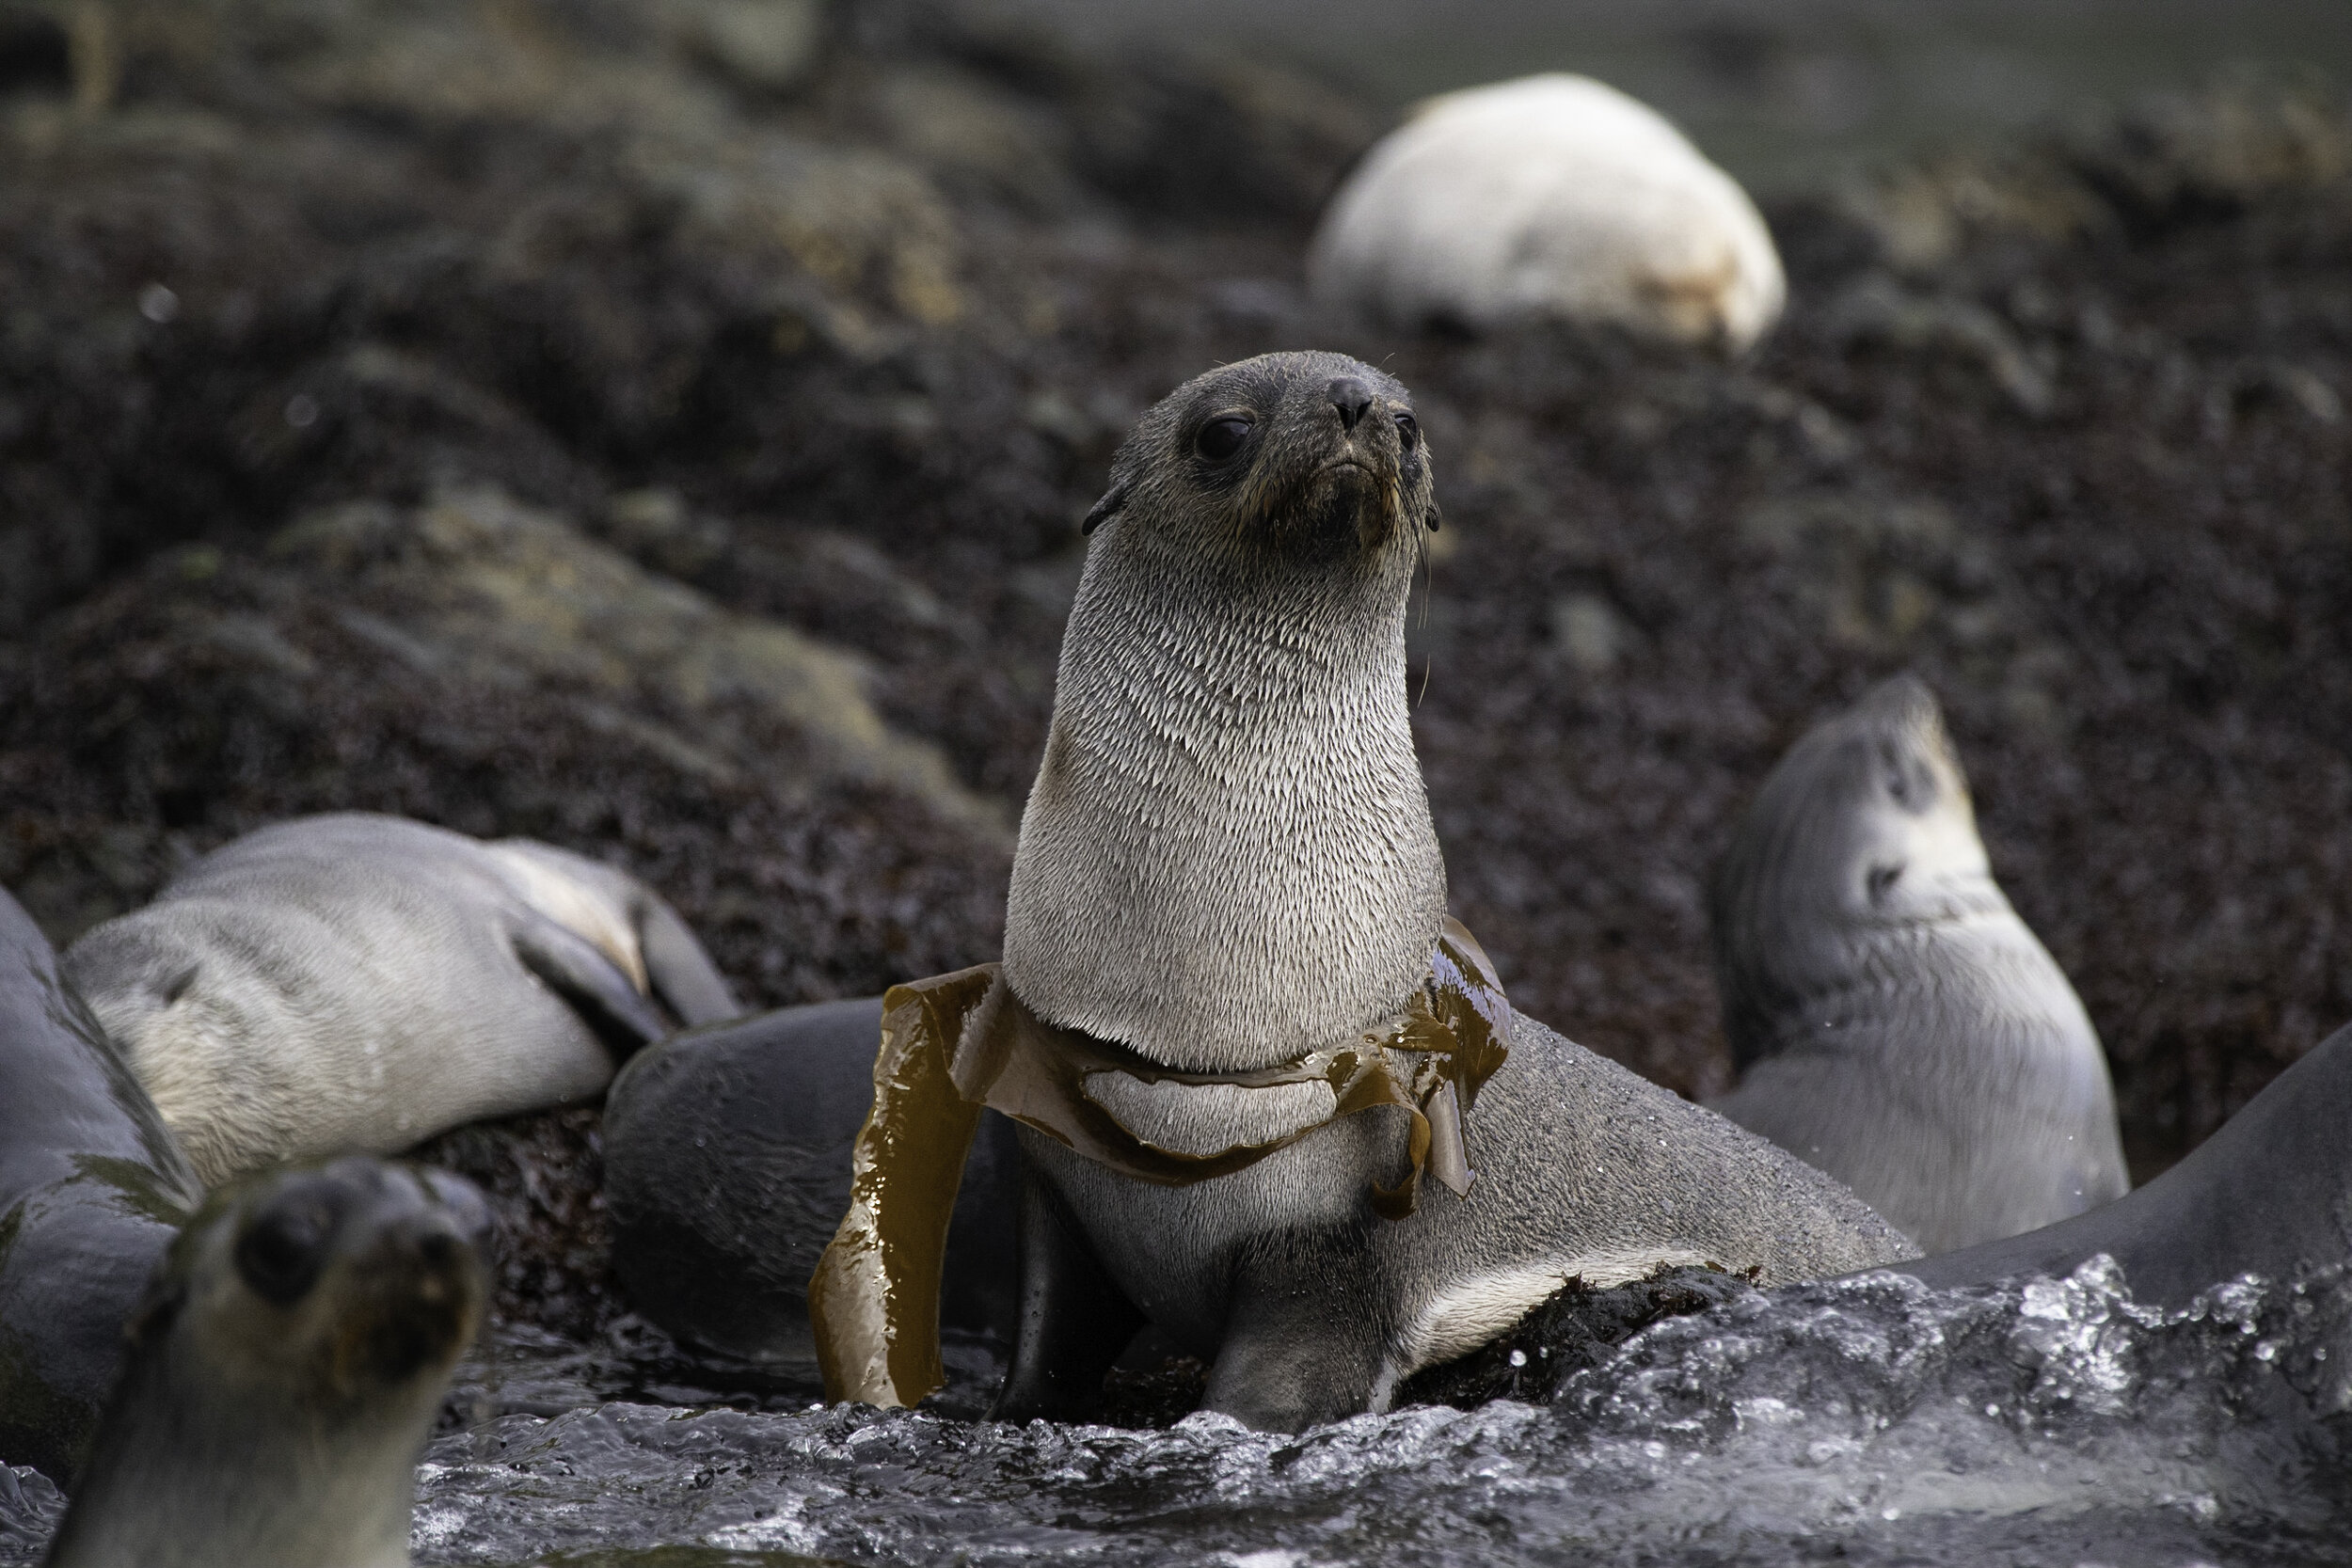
(1862, 1421)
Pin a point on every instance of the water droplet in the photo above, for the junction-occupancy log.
(158, 303)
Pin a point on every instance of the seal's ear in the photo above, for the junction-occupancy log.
(1435, 518)
(1105, 509)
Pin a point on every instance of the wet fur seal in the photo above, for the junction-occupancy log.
(285, 1368)
(355, 982)
(92, 1189)
(727, 1169)
(2269, 1193)
(1895, 1023)
(1551, 197)
(1227, 860)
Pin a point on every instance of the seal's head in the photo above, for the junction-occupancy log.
(1304, 459)
(1864, 834)
(284, 1369)
(341, 1286)
(1226, 859)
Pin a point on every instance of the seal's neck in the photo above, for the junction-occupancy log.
(1226, 859)
(189, 1469)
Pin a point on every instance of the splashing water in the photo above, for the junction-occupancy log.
(1865, 1420)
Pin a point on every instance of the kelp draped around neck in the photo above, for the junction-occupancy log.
(955, 1043)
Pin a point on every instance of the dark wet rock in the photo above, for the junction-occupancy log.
(1164, 127)
(1574, 1330)
(549, 1256)
(212, 692)
(477, 585)
(1157, 1394)
(769, 46)
(1868, 1420)
(2169, 161)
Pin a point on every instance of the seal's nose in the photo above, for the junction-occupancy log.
(1351, 397)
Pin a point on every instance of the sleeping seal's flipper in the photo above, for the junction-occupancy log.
(1075, 1321)
(569, 965)
(679, 972)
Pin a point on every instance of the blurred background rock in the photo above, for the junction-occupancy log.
(1783, 93)
(660, 428)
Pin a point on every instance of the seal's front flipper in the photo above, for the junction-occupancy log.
(570, 966)
(1075, 1321)
(1299, 1350)
(680, 972)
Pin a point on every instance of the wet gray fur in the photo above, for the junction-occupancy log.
(2270, 1194)
(1228, 860)
(1895, 1023)
(726, 1167)
(361, 982)
(92, 1189)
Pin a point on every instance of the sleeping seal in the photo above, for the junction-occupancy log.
(2269, 1193)
(92, 1189)
(1226, 935)
(1897, 1023)
(284, 1370)
(1551, 197)
(726, 1167)
(363, 982)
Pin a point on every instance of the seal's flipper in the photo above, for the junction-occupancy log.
(1075, 1321)
(1299, 1350)
(680, 972)
(570, 965)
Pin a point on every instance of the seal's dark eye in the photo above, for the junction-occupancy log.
(1221, 438)
(281, 1252)
(1408, 430)
(1908, 781)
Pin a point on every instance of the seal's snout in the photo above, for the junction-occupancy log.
(385, 1261)
(1351, 397)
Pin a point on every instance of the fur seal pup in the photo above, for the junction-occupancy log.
(92, 1189)
(1552, 197)
(2269, 1193)
(726, 1169)
(1895, 1023)
(362, 982)
(285, 1368)
(1226, 933)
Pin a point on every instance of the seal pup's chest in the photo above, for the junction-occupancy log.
(1176, 1251)
(1221, 884)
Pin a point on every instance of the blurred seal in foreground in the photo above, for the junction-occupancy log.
(363, 982)
(1226, 937)
(2270, 1194)
(285, 1368)
(92, 1189)
(1897, 1023)
(726, 1169)
(1555, 197)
